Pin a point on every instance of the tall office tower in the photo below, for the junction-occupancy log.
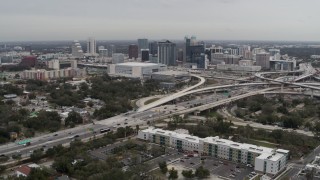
(231, 59)
(91, 46)
(216, 49)
(232, 51)
(180, 55)
(274, 51)
(111, 50)
(76, 49)
(144, 54)
(103, 53)
(275, 54)
(247, 54)
(117, 58)
(263, 60)
(133, 51)
(101, 47)
(54, 64)
(194, 51)
(257, 51)
(243, 49)
(153, 48)
(143, 44)
(167, 53)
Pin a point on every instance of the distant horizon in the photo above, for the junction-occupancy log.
(150, 40)
(254, 20)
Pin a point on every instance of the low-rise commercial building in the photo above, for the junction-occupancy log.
(265, 160)
(135, 69)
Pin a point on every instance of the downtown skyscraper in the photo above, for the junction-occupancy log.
(167, 53)
(91, 46)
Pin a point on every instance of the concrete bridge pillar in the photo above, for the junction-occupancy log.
(281, 87)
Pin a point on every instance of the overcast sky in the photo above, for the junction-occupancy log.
(159, 19)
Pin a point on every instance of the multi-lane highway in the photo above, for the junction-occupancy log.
(52, 139)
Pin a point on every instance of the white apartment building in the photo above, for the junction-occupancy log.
(265, 160)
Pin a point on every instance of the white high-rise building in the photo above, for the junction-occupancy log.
(76, 49)
(117, 58)
(91, 46)
(100, 47)
(243, 49)
(103, 53)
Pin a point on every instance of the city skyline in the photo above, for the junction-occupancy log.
(164, 19)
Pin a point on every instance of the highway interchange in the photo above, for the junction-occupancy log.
(164, 108)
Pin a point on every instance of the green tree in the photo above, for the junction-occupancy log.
(173, 174)
(163, 167)
(63, 165)
(39, 174)
(90, 104)
(36, 155)
(201, 172)
(73, 117)
(188, 173)
(32, 96)
(2, 169)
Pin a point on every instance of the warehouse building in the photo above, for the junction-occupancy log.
(265, 160)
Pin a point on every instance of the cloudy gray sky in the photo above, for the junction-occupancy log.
(159, 19)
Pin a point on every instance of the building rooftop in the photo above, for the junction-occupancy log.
(136, 64)
(24, 170)
(282, 151)
(249, 147)
(276, 157)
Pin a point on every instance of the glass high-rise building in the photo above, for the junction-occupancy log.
(153, 48)
(143, 44)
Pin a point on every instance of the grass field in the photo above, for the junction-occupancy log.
(151, 101)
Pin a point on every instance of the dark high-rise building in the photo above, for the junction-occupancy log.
(167, 53)
(180, 55)
(153, 48)
(144, 54)
(27, 48)
(143, 44)
(133, 51)
(194, 51)
(29, 61)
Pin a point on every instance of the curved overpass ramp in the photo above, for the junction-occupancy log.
(260, 75)
(173, 96)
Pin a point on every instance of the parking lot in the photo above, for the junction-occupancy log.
(217, 167)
